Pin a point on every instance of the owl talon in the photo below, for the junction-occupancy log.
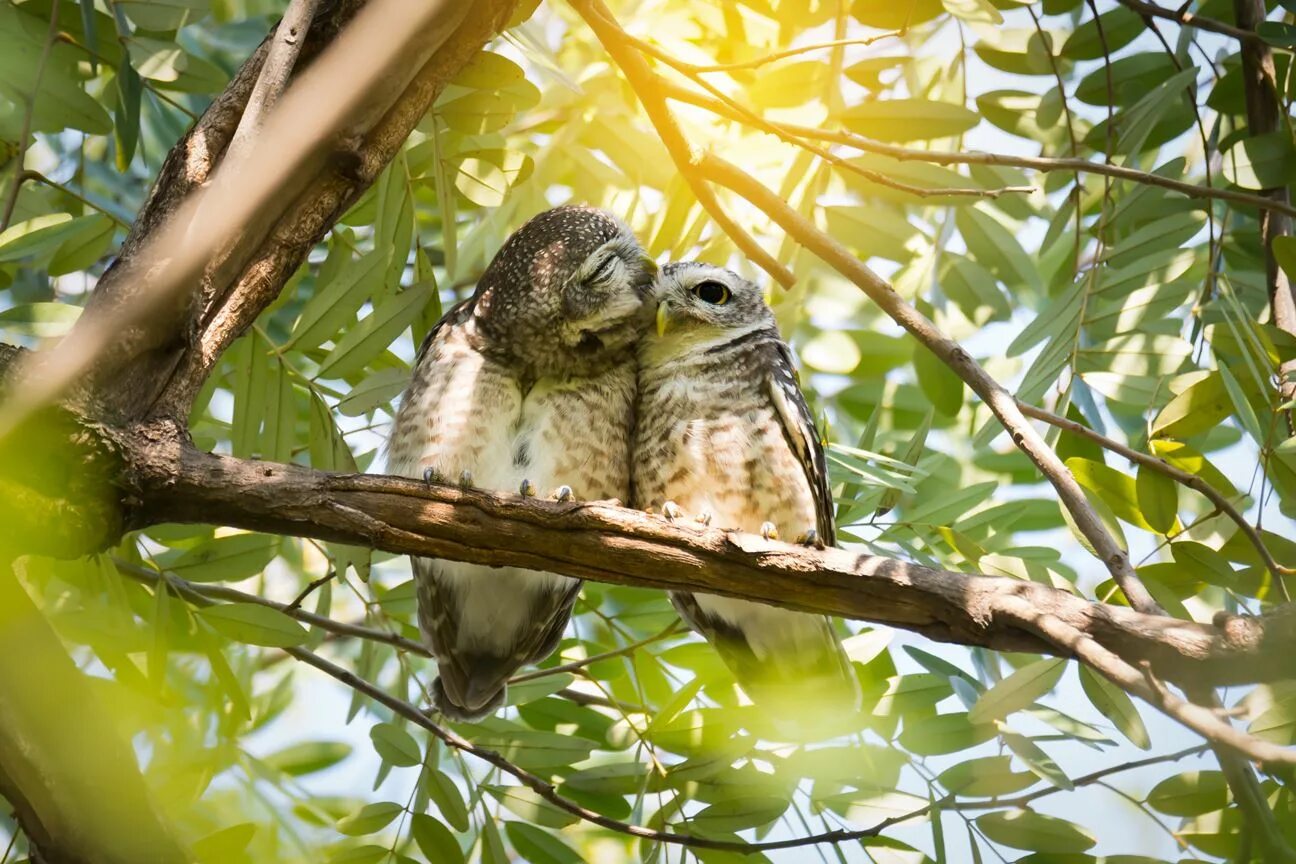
(672, 511)
(564, 493)
(432, 476)
(811, 539)
(704, 517)
(527, 489)
(768, 531)
(465, 479)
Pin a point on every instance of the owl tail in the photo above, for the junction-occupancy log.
(789, 663)
(471, 687)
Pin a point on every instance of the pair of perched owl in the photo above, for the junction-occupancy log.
(551, 380)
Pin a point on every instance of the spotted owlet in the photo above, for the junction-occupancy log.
(723, 433)
(527, 386)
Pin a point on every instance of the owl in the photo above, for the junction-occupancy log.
(723, 433)
(526, 387)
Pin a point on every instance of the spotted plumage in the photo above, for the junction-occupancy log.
(723, 434)
(526, 386)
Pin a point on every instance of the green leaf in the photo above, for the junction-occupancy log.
(535, 750)
(335, 304)
(537, 846)
(986, 777)
(1114, 488)
(1026, 829)
(445, 795)
(740, 813)
(1114, 704)
(225, 845)
(787, 85)
(1190, 793)
(944, 733)
(308, 757)
(365, 341)
(1201, 406)
(995, 248)
(43, 320)
(527, 803)
(395, 745)
(227, 559)
(1158, 499)
(1261, 162)
(1018, 690)
(370, 818)
(1119, 27)
(435, 840)
(1040, 763)
(254, 624)
(909, 119)
(943, 387)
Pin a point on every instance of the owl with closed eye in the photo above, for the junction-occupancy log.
(724, 434)
(526, 387)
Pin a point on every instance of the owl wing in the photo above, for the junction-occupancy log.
(802, 436)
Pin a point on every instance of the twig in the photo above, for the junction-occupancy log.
(751, 117)
(1192, 481)
(1188, 19)
(285, 45)
(21, 156)
(650, 93)
(606, 655)
(310, 589)
(790, 52)
(680, 93)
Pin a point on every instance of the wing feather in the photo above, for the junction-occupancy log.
(801, 434)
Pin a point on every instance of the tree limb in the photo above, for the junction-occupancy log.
(168, 481)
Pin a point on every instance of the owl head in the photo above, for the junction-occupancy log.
(700, 304)
(567, 293)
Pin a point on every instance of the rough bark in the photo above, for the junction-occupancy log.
(168, 481)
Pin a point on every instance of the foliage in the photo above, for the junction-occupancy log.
(1125, 306)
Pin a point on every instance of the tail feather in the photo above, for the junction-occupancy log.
(472, 687)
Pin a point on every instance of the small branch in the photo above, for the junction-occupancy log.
(285, 44)
(596, 658)
(748, 116)
(650, 93)
(1192, 481)
(1046, 164)
(310, 589)
(790, 52)
(1188, 19)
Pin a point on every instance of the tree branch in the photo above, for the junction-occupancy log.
(169, 481)
(680, 93)
(1245, 34)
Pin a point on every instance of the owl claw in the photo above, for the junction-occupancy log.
(672, 511)
(810, 538)
(465, 479)
(527, 489)
(432, 476)
(704, 517)
(768, 531)
(564, 493)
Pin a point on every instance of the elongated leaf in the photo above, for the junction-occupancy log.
(1017, 690)
(254, 624)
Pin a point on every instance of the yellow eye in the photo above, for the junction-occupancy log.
(715, 293)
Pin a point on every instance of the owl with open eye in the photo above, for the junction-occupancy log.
(724, 434)
(526, 387)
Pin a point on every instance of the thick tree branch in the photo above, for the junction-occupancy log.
(168, 481)
(1246, 34)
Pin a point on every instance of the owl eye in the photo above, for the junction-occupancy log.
(715, 293)
(603, 270)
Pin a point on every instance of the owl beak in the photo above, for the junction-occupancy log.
(663, 318)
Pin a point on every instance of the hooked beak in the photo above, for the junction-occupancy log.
(663, 318)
